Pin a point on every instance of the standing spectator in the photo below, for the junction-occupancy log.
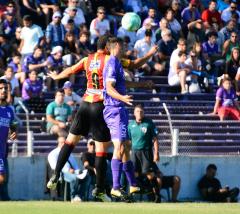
(58, 115)
(141, 47)
(145, 149)
(211, 17)
(226, 104)
(32, 93)
(55, 31)
(71, 171)
(100, 25)
(31, 36)
(211, 188)
(70, 97)
(8, 131)
(228, 12)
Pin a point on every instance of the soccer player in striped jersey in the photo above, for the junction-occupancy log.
(89, 117)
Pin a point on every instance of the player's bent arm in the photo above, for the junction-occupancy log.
(141, 61)
(114, 93)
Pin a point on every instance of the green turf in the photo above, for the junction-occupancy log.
(115, 208)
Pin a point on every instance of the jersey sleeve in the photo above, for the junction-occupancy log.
(219, 94)
(111, 71)
(80, 66)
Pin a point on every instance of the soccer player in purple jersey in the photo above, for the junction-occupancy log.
(116, 118)
(6, 124)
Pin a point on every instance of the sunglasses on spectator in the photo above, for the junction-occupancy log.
(75, 2)
(10, 5)
(92, 144)
(101, 12)
(234, 36)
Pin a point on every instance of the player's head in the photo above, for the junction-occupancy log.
(115, 46)
(138, 112)
(3, 90)
(211, 170)
(102, 42)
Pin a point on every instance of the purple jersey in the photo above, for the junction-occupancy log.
(113, 71)
(55, 64)
(30, 60)
(13, 66)
(6, 119)
(227, 98)
(34, 87)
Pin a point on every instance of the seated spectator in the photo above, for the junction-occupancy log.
(176, 7)
(31, 36)
(173, 24)
(226, 104)
(190, 14)
(83, 44)
(99, 26)
(5, 47)
(211, 17)
(211, 188)
(71, 14)
(227, 13)
(58, 115)
(196, 33)
(163, 24)
(166, 46)
(70, 171)
(54, 63)
(72, 28)
(36, 62)
(15, 63)
(9, 76)
(231, 43)
(32, 93)
(149, 24)
(71, 98)
(55, 32)
(141, 47)
(179, 71)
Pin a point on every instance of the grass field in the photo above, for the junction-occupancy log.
(37, 207)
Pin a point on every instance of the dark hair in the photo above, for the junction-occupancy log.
(212, 166)
(182, 40)
(102, 42)
(182, 53)
(226, 79)
(212, 33)
(84, 33)
(60, 90)
(3, 81)
(27, 18)
(16, 53)
(139, 106)
(148, 32)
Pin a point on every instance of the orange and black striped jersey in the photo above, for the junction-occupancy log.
(93, 65)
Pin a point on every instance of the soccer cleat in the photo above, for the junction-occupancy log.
(119, 194)
(103, 197)
(134, 190)
(52, 183)
(76, 199)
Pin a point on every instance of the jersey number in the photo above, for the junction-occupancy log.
(95, 81)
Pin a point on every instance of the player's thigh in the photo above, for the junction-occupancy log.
(81, 124)
(98, 126)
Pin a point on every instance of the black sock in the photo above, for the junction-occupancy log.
(101, 169)
(63, 157)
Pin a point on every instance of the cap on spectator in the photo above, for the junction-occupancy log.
(56, 14)
(27, 18)
(149, 21)
(67, 84)
(56, 49)
(72, 8)
(194, 2)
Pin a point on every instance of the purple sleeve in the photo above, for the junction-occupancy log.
(219, 94)
(111, 71)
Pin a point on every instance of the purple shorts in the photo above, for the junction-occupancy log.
(2, 166)
(116, 119)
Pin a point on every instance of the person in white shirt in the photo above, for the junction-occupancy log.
(99, 26)
(31, 36)
(74, 13)
(148, 24)
(71, 171)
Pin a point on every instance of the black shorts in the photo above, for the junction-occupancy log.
(142, 161)
(89, 118)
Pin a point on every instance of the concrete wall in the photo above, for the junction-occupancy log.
(27, 175)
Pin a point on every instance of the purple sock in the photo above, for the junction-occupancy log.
(129, 171)
(116, 166)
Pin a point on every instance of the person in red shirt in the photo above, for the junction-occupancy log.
(211, 17)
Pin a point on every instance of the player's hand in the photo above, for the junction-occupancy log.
(153, 50)
(52, 74)
(13, 136)
(128, 99)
